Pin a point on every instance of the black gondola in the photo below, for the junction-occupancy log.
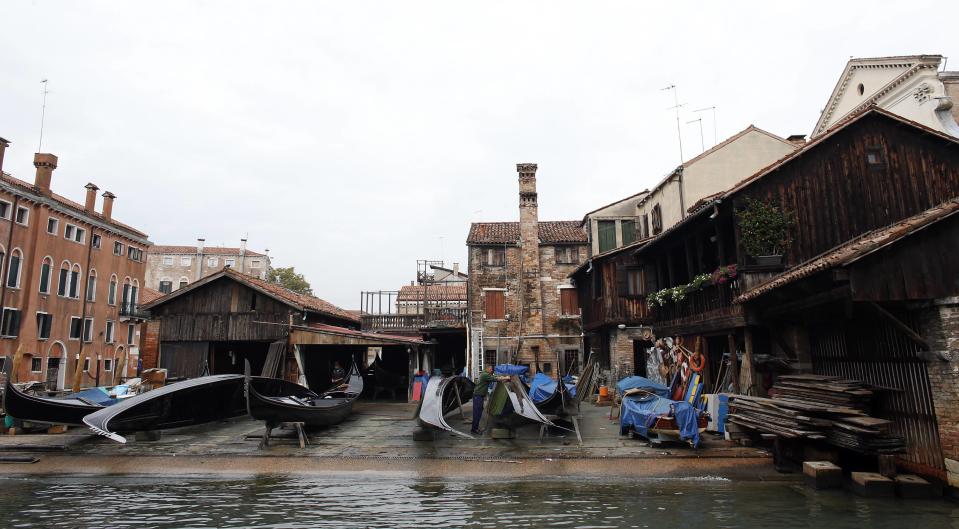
(560, 402)
(276, 401)
(46, 410)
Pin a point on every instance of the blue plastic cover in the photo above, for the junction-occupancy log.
(542, 386)
(642, 383)
(424, 379)
(99, 396)
(640, 413)
(510, 369)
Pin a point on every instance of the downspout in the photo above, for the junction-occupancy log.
(682, 193)
(78, 375)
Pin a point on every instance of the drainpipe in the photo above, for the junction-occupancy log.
(682, 193)
(78, 378)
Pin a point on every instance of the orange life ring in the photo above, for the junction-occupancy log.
(697, 366)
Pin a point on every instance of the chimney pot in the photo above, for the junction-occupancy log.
(108, 205)
(3, 148)
(45, 164)
(242, 246)
(91, 203)
(200, 244)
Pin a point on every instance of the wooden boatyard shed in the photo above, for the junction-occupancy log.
(867, 287)
(216, 324)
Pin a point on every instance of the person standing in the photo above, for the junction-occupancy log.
(479, 394)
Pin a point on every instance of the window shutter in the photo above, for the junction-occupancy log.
(622, 286)
(568, 301)
(495, 306)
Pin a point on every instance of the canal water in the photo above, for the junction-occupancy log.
(388, 502)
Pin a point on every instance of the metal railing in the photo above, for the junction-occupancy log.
(133, 311)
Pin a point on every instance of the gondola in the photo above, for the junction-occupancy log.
(560, 402)
(277, 401)
(443, 395)
(195, 401)
(47, 410)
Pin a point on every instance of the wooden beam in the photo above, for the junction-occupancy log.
(733, 362)
(897, 323)
(810, 301)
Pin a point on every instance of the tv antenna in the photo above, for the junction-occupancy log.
(679, 133)
(713, 108)
(43, 113)
(701, 141)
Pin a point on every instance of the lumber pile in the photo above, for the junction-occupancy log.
(822, 408)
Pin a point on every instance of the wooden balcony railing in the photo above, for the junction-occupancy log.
(435, 317)
(710, 301)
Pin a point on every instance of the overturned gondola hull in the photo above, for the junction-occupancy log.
(46, 410)
(277, 401)
(443, 395)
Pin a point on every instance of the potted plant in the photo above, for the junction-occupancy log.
(764, 230)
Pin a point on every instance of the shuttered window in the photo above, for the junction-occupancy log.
(629, 231)
(495, 305)
(568, 301)
(607, 235)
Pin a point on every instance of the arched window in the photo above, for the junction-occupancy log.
(183, 282)
(13, 271)
(63, 286)
(134, 292)
(127, 286)
(92, 285)
(75, 281)
(45, 269)
(112, 293)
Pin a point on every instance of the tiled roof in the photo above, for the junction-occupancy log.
(332, 329)
(207, 250)
(77, 208)
(854, 250)
(560, 231)
(148, 295)
(454, 292)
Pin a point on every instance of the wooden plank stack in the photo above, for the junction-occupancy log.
(814, 407)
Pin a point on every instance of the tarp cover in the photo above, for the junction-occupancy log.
(511, 369)
(100, 395)
(640, 413)
(542, 386)
(642, 383)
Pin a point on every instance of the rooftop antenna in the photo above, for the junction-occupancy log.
(714, 120)
(43, 114)
(701, 142)
(679, 133)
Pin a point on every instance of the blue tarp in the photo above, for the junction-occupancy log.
(100, 395)
(640, 413)
(642, 383)
(542, 386)
(510, 369)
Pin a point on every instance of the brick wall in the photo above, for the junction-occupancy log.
(940, 327)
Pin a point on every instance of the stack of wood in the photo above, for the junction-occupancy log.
(814, 407)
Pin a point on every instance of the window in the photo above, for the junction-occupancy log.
(112, 293)
(134, 253)
(489, 357)
(657, 219)
(645, 225)
(635, 281)
(629, 230)
(229, 262)
(494, 256)
(52, 225)
(255, 263)
(92, 286)
(166, 287)
(117, 248)
(76, 327)
(607, 235)
(23, 215)
(168, 260)
(566, 254)
(86, 364)
(212, 261)
(36, 365)
(875, 157)
(64, 284)
(79, 236)
(108, 364)
(130, 331)
(568, 302)
(13, 270)
(495, 304)
(125, 298)
(186, 260)
(183, 283)
(88, 330)
(10, 325)
(96, 240)
(75, 282)
(44, 322)
(5, 208)
(110, 333)
(69, 231)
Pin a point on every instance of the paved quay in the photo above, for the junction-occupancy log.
(379, 437)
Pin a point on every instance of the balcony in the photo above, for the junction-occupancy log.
(132, 311)
(434, 318)
(708, 308)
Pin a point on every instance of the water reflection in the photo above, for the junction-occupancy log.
(300, 502)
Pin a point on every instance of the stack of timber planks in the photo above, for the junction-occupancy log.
(814, 407)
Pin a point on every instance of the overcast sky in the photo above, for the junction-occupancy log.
(353, 138)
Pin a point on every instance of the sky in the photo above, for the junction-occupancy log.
(353, 138)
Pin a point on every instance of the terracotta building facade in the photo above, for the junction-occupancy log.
(173, 267)
(523, 307)
(71, 277)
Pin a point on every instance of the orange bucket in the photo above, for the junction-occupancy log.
(603, 391)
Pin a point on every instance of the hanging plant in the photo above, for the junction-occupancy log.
(724, 274)
(764, 228)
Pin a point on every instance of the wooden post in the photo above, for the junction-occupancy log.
(747, 376)
(733, 362)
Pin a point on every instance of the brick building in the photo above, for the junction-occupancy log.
(173, 267)
(522, 305)
(71, 277)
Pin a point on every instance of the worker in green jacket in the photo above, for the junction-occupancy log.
(479, 393)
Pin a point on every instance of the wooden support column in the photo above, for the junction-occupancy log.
(733, 362)
(690, 265)
(747, 375)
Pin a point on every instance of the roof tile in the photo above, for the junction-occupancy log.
(556, 232)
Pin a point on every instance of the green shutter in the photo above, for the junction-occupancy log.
(607, 235)
(629, 231)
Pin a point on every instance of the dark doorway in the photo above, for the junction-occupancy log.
(639, 356)
(449, 354)
(53, 372)
(230, 357)
(318, 362)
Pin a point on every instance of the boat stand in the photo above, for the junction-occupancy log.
(300, 434)
(544, 428)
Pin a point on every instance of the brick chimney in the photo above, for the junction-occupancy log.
(200, 244)
(456, 271)
(91, 203)
(108, 205)
(45, 164)
(532, 301)
(3, 148)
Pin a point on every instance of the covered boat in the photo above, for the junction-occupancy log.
(443, 395)
(647, 411)
(551, 397)
(195, 401)
(276, 401)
